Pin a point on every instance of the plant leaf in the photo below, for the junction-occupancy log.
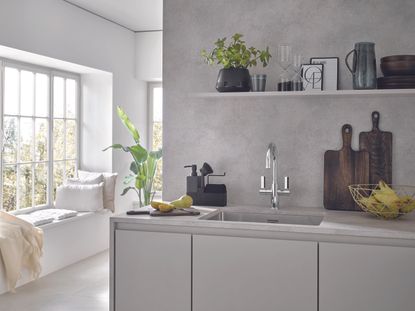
(134, 167)
(139, 153)
(124, 192)
(140, 181)
(128, 179)
(156, 154)
(128, 124)
(117, 146)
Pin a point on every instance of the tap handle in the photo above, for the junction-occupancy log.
(262, 182)
(286, 183)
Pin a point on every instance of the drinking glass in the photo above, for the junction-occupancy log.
(284, 56)
(284, 59)
(297, 81)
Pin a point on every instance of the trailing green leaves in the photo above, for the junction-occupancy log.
(236, 54)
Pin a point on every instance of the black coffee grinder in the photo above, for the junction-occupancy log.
(205, 194)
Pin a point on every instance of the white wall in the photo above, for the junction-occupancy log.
(59, 30)
(96, 121)
(149, 46)
(233, 134)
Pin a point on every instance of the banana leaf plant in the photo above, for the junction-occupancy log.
(144, 164)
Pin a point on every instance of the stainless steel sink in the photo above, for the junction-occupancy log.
(272, 218)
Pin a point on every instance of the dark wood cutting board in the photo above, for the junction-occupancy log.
(177, 212)
(342, 168)
(379, 146)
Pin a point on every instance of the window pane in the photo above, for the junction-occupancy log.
(10, 139)
(26, 139)
(58, 139)
(41, 139)
(11, 91)
(70, 169)
(58, 175)
(158, 180)
(9, 188)
(158, 104)
(27, 92)
(42, 95)
(70, 98)
(157, 135)
(25, 185)
(58, 97)
(41, 184)
(70, 139)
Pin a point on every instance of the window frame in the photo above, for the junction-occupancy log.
(150, 107)
(50, 73)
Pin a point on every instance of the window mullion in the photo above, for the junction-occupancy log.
(64, 130)
(50, 143)
(18, 143)
(34, 140)
(2, 131)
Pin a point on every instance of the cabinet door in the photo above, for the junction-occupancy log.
(246, 274)
(152, 271)
(370, 278)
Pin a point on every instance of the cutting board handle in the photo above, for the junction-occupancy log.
(375, 120)
(347, 136)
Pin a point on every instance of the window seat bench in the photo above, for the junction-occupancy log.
(68, 241)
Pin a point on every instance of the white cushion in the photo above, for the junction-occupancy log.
(109, 186)
(81, 198)
(56, 213)
(86, 180)
(36, 220)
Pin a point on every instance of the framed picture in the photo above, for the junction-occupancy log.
(312, 77)
(331, 71)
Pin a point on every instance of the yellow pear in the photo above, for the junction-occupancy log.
(406, 204)
(185, 201)
(155, 204)
(165, 207)
(386, 195)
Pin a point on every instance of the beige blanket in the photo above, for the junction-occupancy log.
(20, 247)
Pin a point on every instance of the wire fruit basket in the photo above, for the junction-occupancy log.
(384, 201)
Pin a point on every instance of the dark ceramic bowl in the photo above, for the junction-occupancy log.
(395, 58)
(398, 68)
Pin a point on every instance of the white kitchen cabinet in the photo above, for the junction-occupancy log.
(152, 271)
(369, 278)
(246, 274)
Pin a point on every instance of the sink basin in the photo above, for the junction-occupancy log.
(271, 218)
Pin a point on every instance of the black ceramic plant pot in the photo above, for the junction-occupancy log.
(234, 80)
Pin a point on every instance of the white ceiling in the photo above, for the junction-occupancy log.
(137, 15)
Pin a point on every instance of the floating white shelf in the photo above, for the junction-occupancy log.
(389, 92)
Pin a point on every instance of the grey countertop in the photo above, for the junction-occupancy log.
(337, 226)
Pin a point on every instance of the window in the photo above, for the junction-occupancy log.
(39, 111)
(155, 139)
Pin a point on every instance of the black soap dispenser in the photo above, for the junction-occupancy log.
(205, 194)
(193, 181)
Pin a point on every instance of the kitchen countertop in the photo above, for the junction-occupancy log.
(337, 226)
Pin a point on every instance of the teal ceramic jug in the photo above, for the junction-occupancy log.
(363, 66)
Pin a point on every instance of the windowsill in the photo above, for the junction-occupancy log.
(29, 210)
(80, 216)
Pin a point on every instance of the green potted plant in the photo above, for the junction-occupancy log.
(144, 164)
(235, 58)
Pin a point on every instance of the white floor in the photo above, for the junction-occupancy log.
(82, 286)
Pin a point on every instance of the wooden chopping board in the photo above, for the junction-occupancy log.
(177, 212)
(379, 146)
(342, 168)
